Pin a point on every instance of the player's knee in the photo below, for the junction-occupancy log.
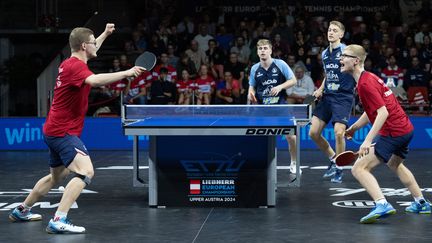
(85, 177)
(314, 134)
(291, 139)
(58, 179)
(339, 134)
(355, 171)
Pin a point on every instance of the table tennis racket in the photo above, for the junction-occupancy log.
(146, 60)
(346, 158)
(309, 99)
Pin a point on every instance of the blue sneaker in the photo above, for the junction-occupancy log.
(378, 212)
(63, 226)
(23, 215)
(331, 170)
(337, 178)
(422, 208)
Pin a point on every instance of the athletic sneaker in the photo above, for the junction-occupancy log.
(331, 170)
(378, 212)
(337, 178)
(423, 207)
(293, 168)
(20, 214)
(63, 226)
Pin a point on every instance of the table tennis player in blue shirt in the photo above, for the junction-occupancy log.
(268, 81)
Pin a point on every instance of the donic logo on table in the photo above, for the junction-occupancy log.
(221, 164)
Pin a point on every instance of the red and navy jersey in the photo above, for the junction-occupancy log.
(374, 94)
(70, 102)
(336, 82)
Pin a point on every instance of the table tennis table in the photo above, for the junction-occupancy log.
(214, 155)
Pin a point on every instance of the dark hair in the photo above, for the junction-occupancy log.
(163, 70)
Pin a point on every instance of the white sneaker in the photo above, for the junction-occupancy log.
(63, 226)
(24, 215)
(293, 168)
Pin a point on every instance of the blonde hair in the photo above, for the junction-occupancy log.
(358, 51)
(78, 36)
(263, 42)
(338, 24)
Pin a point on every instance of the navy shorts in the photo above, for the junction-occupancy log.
(386, 146)
(64, 149)
(334, 107)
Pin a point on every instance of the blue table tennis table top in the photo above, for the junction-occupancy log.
(211, 120)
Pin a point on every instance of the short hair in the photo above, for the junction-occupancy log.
(358, 51)
(263, 42)
(78, 36)
(338, 24)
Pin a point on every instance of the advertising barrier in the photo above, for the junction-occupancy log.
(107, 134)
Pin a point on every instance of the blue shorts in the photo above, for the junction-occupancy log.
(334, 107)
(64, 149)
(386, 146)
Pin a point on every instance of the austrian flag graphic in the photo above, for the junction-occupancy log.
(195, 186)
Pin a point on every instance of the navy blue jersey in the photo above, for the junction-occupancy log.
(264, 80)
(335, 80)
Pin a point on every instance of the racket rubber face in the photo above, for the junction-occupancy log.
(346, 158)
(309, 99)
(146, 60)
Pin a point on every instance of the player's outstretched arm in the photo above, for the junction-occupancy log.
(97, 80)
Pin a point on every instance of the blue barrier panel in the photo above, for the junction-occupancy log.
(107, 133)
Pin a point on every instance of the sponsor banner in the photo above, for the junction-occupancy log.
(213, 171)
(107, 133)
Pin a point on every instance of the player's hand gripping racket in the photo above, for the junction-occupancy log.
(346, 158)
(309, 99)
(146, 60)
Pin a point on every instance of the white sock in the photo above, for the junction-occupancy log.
(59, 215)
(293, 162)
(417, 199)
(381, 201)
(25, 206)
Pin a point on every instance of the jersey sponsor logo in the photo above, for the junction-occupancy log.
(259, 74)
(332, 65)
(269, 81)
(269, 131)
(332, 76)
(333, 86)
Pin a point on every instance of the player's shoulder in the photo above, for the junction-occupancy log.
(279, 62)
(255, 67)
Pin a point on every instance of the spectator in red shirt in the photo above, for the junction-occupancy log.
(392, 75)
(184, 88)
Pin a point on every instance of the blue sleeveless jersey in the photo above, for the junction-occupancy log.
(264, 80)
(336, 82)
